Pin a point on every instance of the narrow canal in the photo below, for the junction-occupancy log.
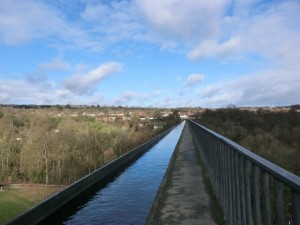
(128, 197)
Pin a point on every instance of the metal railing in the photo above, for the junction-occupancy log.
(249, 189)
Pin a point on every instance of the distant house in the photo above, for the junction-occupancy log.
(111, 118)
(158, 125)
(126, 118)
(183, 117)
(102, 118)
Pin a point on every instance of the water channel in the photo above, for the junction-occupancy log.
(128, 197)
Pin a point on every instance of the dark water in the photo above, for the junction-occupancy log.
(127, 199)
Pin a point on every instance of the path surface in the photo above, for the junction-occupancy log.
(183, 198)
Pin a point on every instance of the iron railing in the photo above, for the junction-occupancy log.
(250, 189)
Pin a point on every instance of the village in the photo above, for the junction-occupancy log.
(155, 117)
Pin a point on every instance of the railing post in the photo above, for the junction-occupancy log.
(222, 175)
(221, 172)
(243, 193)
(279, 207)
(233, 190)
(237, 188)
(247, 170)
(230, 188)
(256, 196)
(227, 197)
(266, 199)
(296, 208)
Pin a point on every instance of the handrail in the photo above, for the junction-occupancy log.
(249, 188)
(276, 171)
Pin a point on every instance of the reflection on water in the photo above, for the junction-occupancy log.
(128, 198)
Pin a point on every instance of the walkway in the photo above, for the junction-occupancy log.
(182, 198)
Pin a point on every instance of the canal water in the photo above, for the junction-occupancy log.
(128, 197)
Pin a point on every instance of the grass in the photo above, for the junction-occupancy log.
(15, 201)
(216, 208)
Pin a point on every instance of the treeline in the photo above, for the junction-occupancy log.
(38, 147)
(272, 135)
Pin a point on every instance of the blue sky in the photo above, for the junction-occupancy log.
(160, 53)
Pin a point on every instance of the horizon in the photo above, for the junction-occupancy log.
(70, 106)
(160, 53)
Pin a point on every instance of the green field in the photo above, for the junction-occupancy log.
(14, 201)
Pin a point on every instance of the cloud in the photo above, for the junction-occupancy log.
(94, 12)
(214, 29)
(113, 21)
(125, 98)
(213, 49)
(141, 99)
(270, 87)
(23, 92)
(148, 97)
(83, 83)
(193, 79)
(24, 21)
(189, 21)
(265, 31)
(273, 34)
(157, 93)
(27, 92)
(36, 77)
(55, 64)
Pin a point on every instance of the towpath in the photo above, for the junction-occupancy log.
(182, 198)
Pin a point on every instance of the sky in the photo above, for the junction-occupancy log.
(158, 53)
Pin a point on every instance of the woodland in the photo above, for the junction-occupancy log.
(51, 146)
(274, 135)
(56, 145)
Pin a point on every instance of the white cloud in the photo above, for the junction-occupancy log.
(178, 79)
(23, 21)
(124, 98)
(157, 93)
(213, 49)
(20, 91)
(272, 87)
(274, 35)
(55, 64)
(83, 83)
(113, 21)
(141, 99)
(36, 77)
(94, 12)
(204, 28)
(193, 79)
(190, 21)
(265, 30)
(27, 92)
